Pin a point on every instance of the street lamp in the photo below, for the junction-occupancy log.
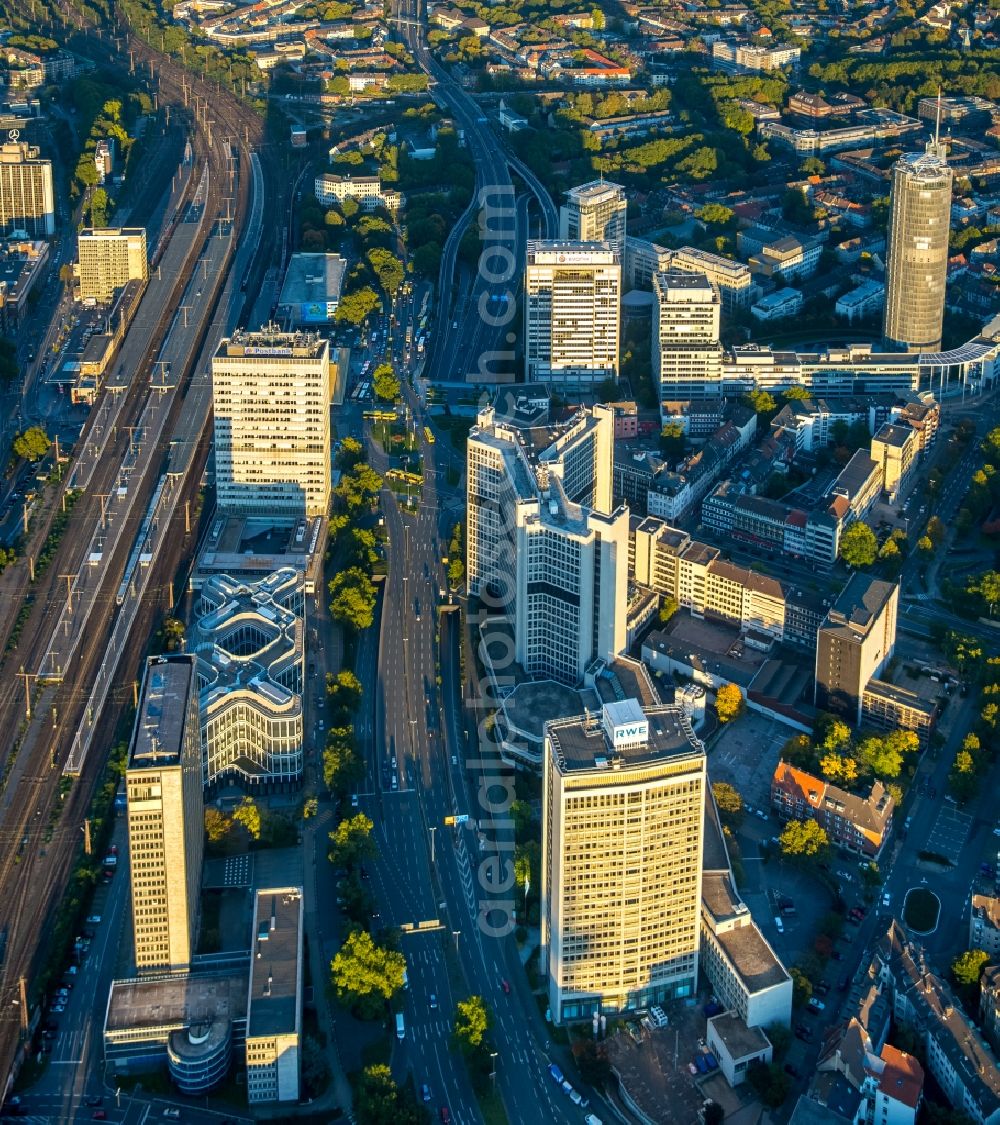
(433, 830)
(493, 1071)
(456, 934)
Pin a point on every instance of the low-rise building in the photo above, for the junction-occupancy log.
(890, 707)
(957, 1056)
(737, 1047)
(778, 305)
(310, 291)
(786, 259)
(22, 263)
(736, 58)
(865, 300)
(859, 824)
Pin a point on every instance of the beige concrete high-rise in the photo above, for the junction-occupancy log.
(110, 258)
(573, 317)
(623, 807)
(166, 815)
(686, 353)
(27, 201)
(917, 250)
(271, 392)
(595, 212)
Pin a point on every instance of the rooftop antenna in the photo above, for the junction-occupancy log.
(937, 122)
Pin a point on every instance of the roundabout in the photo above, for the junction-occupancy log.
(921, 911)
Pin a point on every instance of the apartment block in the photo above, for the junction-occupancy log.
(623, 800)
(595, 212)
(732, 279)
(271, 392)
(895, 448)
(165, 816)
(735, 57)
(859, 484)
(368, 191)
(859, 824)
(27, 202)
(109, 259)
(545, 541)
(686, 353)
(984, 924)
(572, 313)
(854, 644)
(274, 1004)
(989, 1002)
(954, 1049)
(771, 525)
(643, 260)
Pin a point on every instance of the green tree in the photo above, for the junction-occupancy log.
(379, 1101)
(803, 838)
(385, 384)
(344, 690)
(342, 766)
(858, 545)
(365, 974)
(925, 545)
(728, 702)
(32, 444)
(388, 269)
(248, 815)
(352, 598)
(729, 802)
(769, 1082)
(762, 402)
(472, 1021)
(802, 988)
(796, 393)
(217, 825)
(356, 307)
(715, 214)
(883, 756)
(351, 841)
(968, 966)
(172, 630)
(456, 572)
(668, 607)
(987, 587)
(673, 441)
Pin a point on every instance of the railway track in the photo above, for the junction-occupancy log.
(32, 877)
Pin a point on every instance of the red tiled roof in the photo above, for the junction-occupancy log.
(902, 1077)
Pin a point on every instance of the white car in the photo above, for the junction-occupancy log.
(886, 899)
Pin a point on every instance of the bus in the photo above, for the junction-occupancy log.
(429, 435)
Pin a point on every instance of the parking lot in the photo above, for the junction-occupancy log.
(950, 831)
(745, 755)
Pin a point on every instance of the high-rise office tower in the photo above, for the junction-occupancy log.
(544, 541)
(916, 265)
(166, 817)
(854, 644)
(623, 806)
(686, 353)
(26, 199)
(573, 315)
(109, 259)
(595, 212)
(272, 393)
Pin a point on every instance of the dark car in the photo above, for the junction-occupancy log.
(793, 1070)
(802, 1032)
(445, 1115)
(837, 955)
(98, 1115)
(93, 1099)
(505, 985)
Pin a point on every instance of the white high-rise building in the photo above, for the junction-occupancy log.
(595, 212)
(544, 541)
(623, 807)
(686, 353)
(110, 258)
(572, 322)
(166, 817)
(27, 201)
(271, 392)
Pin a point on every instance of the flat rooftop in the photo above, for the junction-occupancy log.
(158, 739)
(312, 279)
(169, 1003)
(752, 957)
(274, 1005)
(739, 1039)
(581, 743)
(595, 192)
(860, 602)
(272, 344)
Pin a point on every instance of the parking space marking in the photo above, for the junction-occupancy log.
(950, 831)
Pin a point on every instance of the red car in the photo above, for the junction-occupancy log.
(445, 1115)
(505, 985)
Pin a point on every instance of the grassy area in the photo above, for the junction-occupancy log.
(491, 1107)
(394, 437)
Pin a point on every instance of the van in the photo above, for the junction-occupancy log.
(400, 1026)
(779, 925)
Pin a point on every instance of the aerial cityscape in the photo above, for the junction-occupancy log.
(500, 562)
